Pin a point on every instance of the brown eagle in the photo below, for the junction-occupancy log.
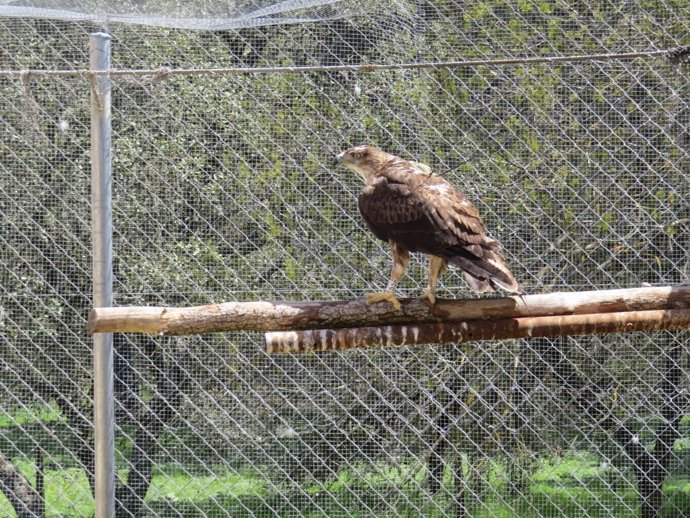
(414, 210)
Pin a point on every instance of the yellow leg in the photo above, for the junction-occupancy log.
(436, 267)
(400, 259)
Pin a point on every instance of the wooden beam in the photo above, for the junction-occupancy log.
(474, 330)
(274, 316)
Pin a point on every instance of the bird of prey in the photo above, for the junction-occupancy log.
(414, 210)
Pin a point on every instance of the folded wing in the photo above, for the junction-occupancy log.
(424, 213)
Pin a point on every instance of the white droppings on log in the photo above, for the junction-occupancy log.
(294, 341)
(404, 335)
(308, 343)
(475, 330)
(289, 341)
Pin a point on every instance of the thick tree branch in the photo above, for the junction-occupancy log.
(275, 316)
(474, 330)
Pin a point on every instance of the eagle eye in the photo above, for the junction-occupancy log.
(357, 155)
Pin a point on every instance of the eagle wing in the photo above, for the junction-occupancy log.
(422, 212)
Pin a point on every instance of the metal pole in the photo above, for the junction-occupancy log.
(101, 229)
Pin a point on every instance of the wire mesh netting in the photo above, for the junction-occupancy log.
(210, 15)
(225, 190)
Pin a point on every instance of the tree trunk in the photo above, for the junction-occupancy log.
(127, 402)
(270, 316)
(449, 412)
(460, 489)
(79, 419)
(163, 409)
(40, 480)
(650, 467)
(25, 500)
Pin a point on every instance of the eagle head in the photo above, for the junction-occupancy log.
(363, 160)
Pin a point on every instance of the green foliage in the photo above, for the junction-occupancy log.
(565, 487)
(224, 190)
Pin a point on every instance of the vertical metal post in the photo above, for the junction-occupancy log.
(101, 231)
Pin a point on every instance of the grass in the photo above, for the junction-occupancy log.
(177, 486)
(574, 486)
(67, 491)
(31, 415)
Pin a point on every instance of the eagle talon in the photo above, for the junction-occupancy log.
(429, 298)
(386, 296)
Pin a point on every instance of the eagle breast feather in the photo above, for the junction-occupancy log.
(420, 210)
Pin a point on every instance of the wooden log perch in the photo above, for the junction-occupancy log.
(473, 330)
(275, 316)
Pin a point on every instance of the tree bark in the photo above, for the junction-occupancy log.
(40, 481)
(450, 403)
(25, 500)
(650, 466)
(460, 489)
(274, 316)
(79, 419)
(474, 330)
(162, 410)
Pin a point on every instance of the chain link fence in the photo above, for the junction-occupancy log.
(224, 190)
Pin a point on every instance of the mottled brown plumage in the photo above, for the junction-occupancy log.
(414, 210)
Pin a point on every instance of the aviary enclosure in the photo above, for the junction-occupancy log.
(565, 122)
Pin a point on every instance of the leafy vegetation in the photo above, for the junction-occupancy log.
(574, 486)
(224, 190)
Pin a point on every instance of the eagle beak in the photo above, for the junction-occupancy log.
(338, 158)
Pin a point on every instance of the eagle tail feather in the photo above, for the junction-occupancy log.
(479, 285)
(485, 274)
